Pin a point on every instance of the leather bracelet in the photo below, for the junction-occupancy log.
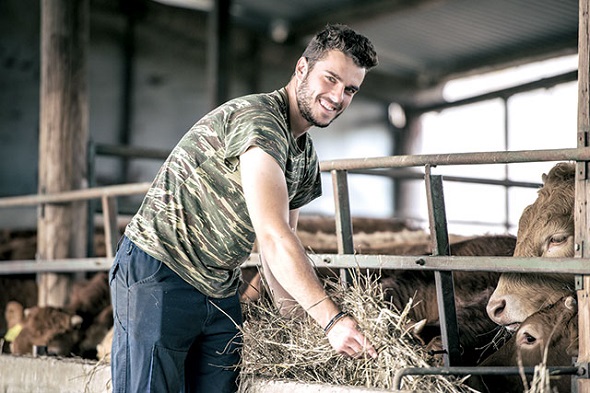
(333, 321)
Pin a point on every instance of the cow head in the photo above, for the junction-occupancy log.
(549, 336)
(545, 229)
(52, 327)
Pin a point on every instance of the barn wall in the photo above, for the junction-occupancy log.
(169, 93)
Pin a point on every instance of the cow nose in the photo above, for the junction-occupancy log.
(495, 309)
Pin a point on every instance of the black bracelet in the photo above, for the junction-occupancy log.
(333, 321)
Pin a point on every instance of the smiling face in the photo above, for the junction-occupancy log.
(325, 90)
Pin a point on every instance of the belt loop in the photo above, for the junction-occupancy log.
(129, 246)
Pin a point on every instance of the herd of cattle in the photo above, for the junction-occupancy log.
(536, 311)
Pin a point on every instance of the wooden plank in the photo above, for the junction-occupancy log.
(582, 237)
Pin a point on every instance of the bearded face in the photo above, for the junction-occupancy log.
(306, 101)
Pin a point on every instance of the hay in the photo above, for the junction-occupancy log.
(296, 348)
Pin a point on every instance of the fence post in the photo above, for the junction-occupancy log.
(343, 219)
(445, 290)
(111, 230)
(581, 211)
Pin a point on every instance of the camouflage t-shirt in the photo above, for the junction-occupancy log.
(194, 216)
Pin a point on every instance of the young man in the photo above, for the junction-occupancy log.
(240, 174)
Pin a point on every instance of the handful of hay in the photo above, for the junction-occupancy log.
(296, 348)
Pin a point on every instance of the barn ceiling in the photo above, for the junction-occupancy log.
(420, 43)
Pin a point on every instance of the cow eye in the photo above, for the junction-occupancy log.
(528, 339)
(557, 239)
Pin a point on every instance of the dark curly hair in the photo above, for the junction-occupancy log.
(344, 39)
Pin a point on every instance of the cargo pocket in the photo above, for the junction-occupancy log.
(167, 370)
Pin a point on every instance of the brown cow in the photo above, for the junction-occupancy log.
(548, 337)
(89, 306)
(472, 290)
(546, 229)
(54, 328)
(91, 300)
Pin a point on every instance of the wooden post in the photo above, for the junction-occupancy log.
(63, 138)
(582, 219)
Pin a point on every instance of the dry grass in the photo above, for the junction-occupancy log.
(296, 348)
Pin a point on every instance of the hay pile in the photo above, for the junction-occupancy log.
(296, 349)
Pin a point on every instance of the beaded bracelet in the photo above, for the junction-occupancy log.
(333, 321)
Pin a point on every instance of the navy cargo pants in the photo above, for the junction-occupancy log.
(168, 336)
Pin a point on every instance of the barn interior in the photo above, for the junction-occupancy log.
(151, 68)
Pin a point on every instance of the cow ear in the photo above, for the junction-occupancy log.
(76, 321)
(27, 311)
(571, 303)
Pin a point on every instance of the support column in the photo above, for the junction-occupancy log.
(63, 138)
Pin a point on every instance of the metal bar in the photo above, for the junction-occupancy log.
(344, 232)
(131, 152)
(396, 173)
(56, 266)
(445, 289)
(447, 263)
(219, 52)
(111, 230)
(75, 195)
(397, 379)
(337, 261)
(504, 93)
(498, 157)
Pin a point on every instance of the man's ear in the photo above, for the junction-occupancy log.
(301, 68)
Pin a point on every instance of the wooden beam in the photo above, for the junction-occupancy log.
(582, 219)
(63, 138)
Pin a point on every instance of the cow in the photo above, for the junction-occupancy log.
(20, 288)
(545, 229)
(103, 349)
(14, 315)
(90, 311)
(472, 290)
(51, 327)
(95, 333)
(549, 337)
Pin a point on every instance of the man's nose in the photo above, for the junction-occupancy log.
(337, 93)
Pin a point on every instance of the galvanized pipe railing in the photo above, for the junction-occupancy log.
(496, 157)
(75, 195)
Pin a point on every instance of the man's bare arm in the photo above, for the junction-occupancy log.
(266, 196)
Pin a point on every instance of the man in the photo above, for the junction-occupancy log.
(240, 174)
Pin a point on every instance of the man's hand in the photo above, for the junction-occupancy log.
(346, 339)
